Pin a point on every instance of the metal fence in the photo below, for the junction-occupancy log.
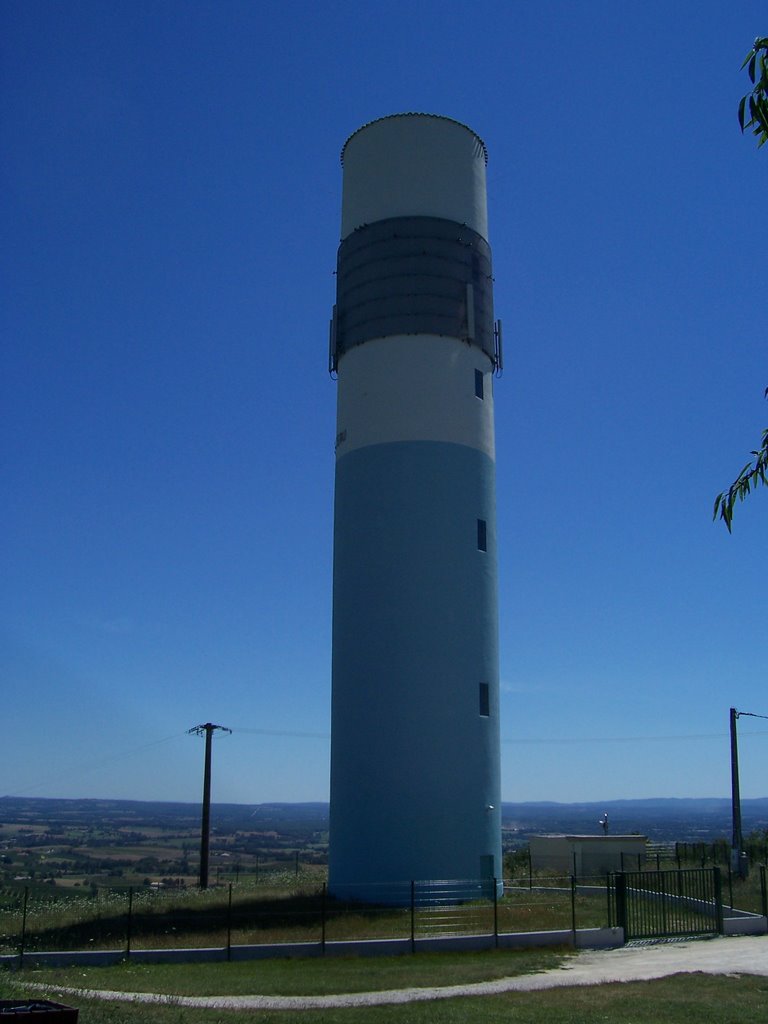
(652, 904)
(137, 919)
(290, 910)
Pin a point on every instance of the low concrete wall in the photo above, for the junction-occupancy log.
(745, 924)
(585, 938)
(599, 938)
(66, 958)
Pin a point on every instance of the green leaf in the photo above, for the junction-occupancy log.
(742, 105)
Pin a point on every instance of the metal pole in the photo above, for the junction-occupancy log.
(322, 918)
(129, 926)
(620, 882)
(229, 924)
(495, 914)
(730, 887)
(413, 916)
(23, 927)
(718, 886)
(608, 897)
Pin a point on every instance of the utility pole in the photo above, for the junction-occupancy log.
(205, 832)
(738, 855)
(737, 841)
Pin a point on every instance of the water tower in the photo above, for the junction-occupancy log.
(415, 789)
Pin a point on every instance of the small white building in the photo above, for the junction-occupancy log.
(587, 855)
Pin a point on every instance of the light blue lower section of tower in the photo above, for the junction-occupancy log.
(415, 790)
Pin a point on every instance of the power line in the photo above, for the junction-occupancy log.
(287, 732)
(549, 740)
(91, 766)
(87, 767)
(543, 740)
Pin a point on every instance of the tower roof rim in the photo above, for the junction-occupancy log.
(415, 113)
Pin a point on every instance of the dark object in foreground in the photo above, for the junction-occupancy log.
(18, 1010)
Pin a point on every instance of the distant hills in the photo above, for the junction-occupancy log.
(662, 819)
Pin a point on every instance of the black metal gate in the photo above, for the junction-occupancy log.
(655, 904)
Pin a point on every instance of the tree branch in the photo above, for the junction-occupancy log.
(753, 474)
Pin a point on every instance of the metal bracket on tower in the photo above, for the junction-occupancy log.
(498, 349)
(333, 358)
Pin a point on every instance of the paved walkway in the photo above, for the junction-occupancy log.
(729, 956)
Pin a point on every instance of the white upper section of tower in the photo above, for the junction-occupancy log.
(392, 390)
(414, 165)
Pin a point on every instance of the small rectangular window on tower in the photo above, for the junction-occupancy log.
(482, 535)
(478, 383)
(485, 700)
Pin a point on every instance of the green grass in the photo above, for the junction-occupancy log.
(681, 999)
(746, 892)
(315, 976)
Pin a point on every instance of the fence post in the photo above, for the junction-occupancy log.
(717, 878)
(530, 868)
(229, 924)
(573, 909)
(23, 927)
(620, 883)
(495, 914)
(763, 891)
(608, 898)
(730, 885)
(322, 918)
(413, 916)
(129, 924)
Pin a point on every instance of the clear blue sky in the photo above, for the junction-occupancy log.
(171, 196)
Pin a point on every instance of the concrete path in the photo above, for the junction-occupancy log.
(729, 956)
